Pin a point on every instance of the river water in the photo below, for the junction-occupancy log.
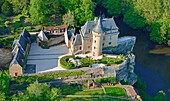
(152, 61)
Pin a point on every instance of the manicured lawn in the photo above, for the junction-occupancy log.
(91, 99)
(115, 91)
(90, 92)
(87, 62)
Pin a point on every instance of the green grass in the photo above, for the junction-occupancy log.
(90, 92)
(87, 62)
(107, 80)
(91, 99)
(115, 91)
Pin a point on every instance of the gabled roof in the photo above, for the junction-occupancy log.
(78, 40)
(99, 27)
(15, 42)
(22, 42)
(26, 35)
(42, 36)
(70, 33)
(18, 58)
(87, 28)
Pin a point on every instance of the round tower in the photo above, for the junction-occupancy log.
(98, 34)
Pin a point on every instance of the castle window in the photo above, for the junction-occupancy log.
(110, 43)
(94, 41)
(103, 44)
(94, 47)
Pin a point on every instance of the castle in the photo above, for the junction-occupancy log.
(93, 37)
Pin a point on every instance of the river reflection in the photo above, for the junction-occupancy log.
(152, 61)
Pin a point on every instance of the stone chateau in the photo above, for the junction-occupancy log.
(93, 37)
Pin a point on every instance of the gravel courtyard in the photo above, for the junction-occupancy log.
(46, 59)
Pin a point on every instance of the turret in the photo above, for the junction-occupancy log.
(98, 34)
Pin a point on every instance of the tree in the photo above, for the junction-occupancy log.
(18, 5)
(134, 20)
(161, 96)
(2, 96)
(68, 18)
(1, 3)
(39, 11)
(81, 9)
(6, 8)
(113, 7)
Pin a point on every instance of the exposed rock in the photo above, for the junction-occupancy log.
(5, 56)
(126, 72)
(125, 45)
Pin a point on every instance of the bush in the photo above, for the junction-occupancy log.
(64, 62)
(50, 76)
(7, 41)
(6, 8)
(106, 80)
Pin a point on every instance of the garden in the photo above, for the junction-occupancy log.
(73, 62)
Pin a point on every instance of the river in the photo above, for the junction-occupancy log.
(152, 61)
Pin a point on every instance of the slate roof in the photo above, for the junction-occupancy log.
(42, 36)
(105, 24)
(26, 35)
(18, 58)
(78, 40)
(99, 27)
(70, 33)
(22, 42)
(15, 42)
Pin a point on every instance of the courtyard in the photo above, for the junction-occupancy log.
(45, 59)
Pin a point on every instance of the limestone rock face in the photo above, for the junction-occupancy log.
(126, 72)
(5, 57)
(125, 45)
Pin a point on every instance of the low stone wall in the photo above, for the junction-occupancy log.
(125, 45)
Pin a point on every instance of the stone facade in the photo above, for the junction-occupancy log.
(15, 70)
(95, 35)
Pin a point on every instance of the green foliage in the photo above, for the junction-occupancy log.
(39, 11)
(161, 96)
(160, 32)
(7, 23)
(19, 5)
(115, 91)
(50, 76)
(36, 92)
(6, 42)
(2, 96)
(106, 80)
(130, 18)
(6, 8)
(4, 83)
(113, 7)
(68, 18)
(64, 62)
(81, 9)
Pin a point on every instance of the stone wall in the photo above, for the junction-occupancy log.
(125, 45)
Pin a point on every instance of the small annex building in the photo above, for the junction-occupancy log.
(56, 30)
(20, 50)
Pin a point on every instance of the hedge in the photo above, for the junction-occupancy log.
(50, 76)
(64, 62)
(106, 80)
(6, 42)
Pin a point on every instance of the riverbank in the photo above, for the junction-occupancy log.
(156, 65)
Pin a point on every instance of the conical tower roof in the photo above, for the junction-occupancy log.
(99, 27)
(42, 36)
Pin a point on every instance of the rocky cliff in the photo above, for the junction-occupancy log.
(125, 45)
